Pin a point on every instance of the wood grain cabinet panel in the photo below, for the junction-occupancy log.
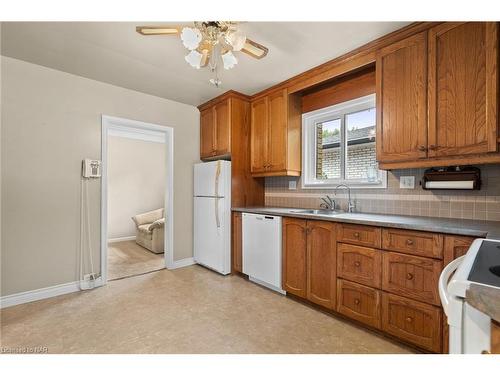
(207, 133)
(455, 246)
(359, 235)
(360, 264)
(321, 263)
(359, 302)
(222, 112)
(295, 256)
(401, 75)
(259, 135)
(463, 89)
(276, 135)
(277, 146)
(411, 276)
(412, 321)
(237, 242)
(495, 337)
(413, 242)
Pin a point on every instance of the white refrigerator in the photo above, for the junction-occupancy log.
(212, 215)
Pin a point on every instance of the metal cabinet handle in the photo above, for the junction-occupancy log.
(356, 234)
(422, 148)
(357, 264)
(357, 301)
(409, 319)
(409, 242)
(409, 276)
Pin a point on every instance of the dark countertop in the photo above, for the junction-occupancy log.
(485, 299)
(475, 228)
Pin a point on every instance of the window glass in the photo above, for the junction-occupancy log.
(361, 159)
(328, 138)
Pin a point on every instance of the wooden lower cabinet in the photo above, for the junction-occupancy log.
(495, 337)
(237, 242)
(412, 321)
(295, 256)
(359, 264)
(359, 302)
(309, 260)
(411, 276)
(321, 263)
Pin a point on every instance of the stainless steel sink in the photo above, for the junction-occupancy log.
(318, 212)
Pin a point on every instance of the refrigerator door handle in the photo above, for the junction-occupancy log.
(217, 175)
(217, 218)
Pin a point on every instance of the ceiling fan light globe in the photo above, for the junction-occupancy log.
(191, 37)
(193, 58)
(229, 60)
(236, 40)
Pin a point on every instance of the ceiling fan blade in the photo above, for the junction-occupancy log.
(254, 49)
(158, 30)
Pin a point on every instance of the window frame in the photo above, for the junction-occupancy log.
(309, 145)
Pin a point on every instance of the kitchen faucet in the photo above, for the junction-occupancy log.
(328, 203)
(350, 203)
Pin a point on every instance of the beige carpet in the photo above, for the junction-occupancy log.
(188, 310)
(126, 258)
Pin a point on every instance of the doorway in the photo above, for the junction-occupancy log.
(136, 198)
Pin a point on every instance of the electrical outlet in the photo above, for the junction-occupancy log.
(407, 182)
(292, 185)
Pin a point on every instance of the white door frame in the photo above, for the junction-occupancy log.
(142, 129)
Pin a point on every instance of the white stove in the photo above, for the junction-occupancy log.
(469, 328)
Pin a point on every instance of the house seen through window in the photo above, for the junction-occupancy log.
(339, 145)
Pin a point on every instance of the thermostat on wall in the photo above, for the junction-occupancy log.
(91, 168)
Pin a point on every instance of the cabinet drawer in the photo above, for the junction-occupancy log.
(360, 264)
(411, 276)
(413, 242)
(359, 235)
(412, 321)
(358, 302)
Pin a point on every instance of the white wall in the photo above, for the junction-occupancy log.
(51, 121)
(137, 171)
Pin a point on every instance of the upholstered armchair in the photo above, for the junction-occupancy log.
(150, 229)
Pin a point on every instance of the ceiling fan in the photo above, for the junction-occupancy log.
(209, 42)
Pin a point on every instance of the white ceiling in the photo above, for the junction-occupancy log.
(114, 53)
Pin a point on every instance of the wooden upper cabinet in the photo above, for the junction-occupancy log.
(215, 130)
(259, 135)
(463, 88)
(295, 256)
(321, 263)
(276, 135)
(401, 75)
(207, 133)
(222, 112)
(277, 148)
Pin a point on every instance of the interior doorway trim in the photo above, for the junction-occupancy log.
(116, 125)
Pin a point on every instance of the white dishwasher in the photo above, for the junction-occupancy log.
(262, 250)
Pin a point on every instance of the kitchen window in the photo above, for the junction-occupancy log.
(339, 146)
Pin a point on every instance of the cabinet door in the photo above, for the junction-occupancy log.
(455, 246)
(321, 263)
(412, 321)
(401, 74)
(277, 146)
(463, 88)
(294, 256)
(223, 127)
(259, 135)
(237, 242)
(207, 133)
(411, 276)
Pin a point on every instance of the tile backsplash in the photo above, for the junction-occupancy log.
(481, 204)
